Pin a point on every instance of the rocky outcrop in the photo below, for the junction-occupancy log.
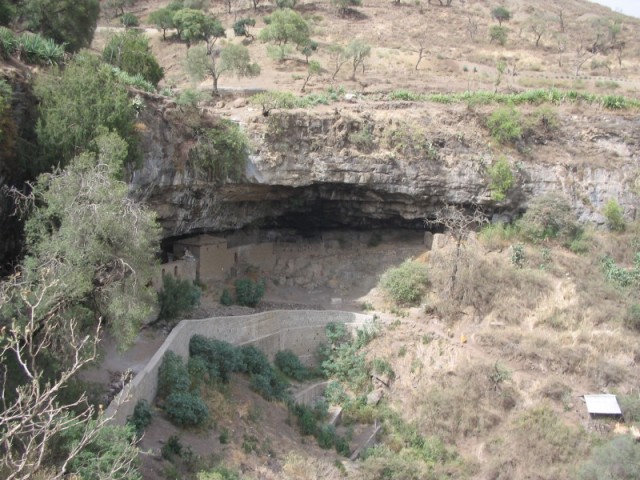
(383, 164)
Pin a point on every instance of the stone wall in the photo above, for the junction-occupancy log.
(298, 330)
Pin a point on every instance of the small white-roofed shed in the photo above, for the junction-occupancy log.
(602, 404)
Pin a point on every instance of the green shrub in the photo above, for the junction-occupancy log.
(383, 368)
(335, 394)
(618, 459)
(614, 214)
(505, 125)
(130, 51)
(173, 376)
(198, 372)
(342, 446)
(405, 284)
(518, 255)
(177, 297)
(240, 27)
(630, 406)
(172, 448)
(624, 277)
(632, 319)
(221, 151)
(289, 364)
(186, 409)
(326, 436)
(222, 358)
(501, 178)
(39, 50)
(498, 34)
(226, 299)
(249, 292)
(268, 386)
(8, 42)
(141, 417)
(129, 20)
(253, 360)
(347, 365)
(307, 422)
(548, 216)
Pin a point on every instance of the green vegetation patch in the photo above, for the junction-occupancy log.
(406, 283)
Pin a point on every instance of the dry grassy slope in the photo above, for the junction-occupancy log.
(396, 31)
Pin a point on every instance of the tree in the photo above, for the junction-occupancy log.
(76, 101)
(501, 14)
(163, 20)
(130, 51)
(617, 459)
(357, 51)
(458, 224)
(343, 6)
(313, 69)
(538, 26)
(229, 59)
(95, 241)
(338, 57)
(7, 12)
(420, 50)
(69, 22)
(118, 6)
(240, 27)
(308, 48)
(194, 25)
(285, 26)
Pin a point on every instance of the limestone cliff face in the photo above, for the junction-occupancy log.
(387, 163)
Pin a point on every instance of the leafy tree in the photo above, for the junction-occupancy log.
(338, 57)
(308, 48)
(285, 26)
(229, 59)
(75, 102)
(357, 51)
(313, 69)
(130, 51)
(162, 19)
(501, 14)
(71, 22)
(240, 27)
(548, 216)
(7, 12)
(95, 241)
(343, 6)
(193, 26)
(129, 20)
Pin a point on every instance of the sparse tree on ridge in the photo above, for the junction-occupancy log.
(163, 20)
(231, 58)
(357, 51)
(338, 57)
(501, 14)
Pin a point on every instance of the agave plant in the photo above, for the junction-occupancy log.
(8, 42)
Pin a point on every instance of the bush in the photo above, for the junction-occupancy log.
(505, 125)
(289, 364)
(222, 151)
(630, 406)
(177, 297)
(141, 417)
(614, 214)
(198, 372)
(501, 179)
(617, 459)
(498, 34)
(129, 20)
(548, 216)
(249, 292)
(405, 284)
(172, 448)
(268, 386)
(225, 298)
(307, 422)
(221, 357)
(326, 436)
(632, 319)
(186, 409)
(130, 51)
(173, 376)
(253, 360)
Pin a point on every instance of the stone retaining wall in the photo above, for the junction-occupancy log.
(297, 330)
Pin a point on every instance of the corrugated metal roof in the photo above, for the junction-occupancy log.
(603, 404)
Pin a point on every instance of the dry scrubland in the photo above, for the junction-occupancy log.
(488, 372)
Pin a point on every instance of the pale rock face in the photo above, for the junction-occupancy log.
(308, 164)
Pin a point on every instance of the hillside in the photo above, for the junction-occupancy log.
(468, 176)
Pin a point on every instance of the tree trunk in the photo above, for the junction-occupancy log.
(215, 92)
